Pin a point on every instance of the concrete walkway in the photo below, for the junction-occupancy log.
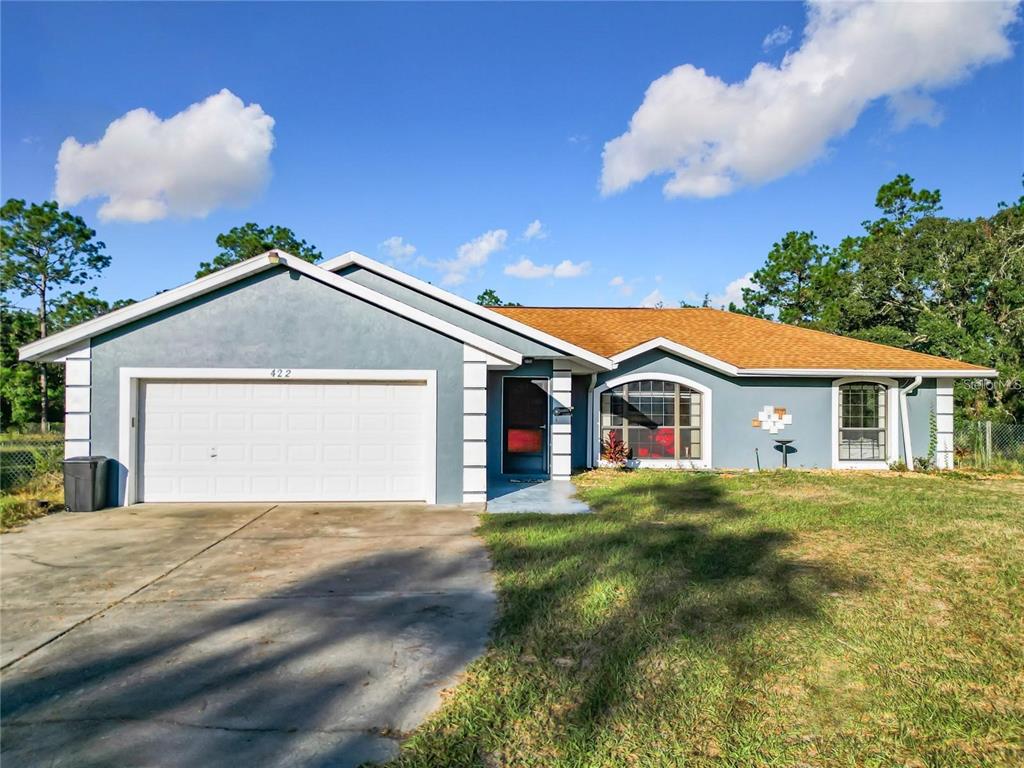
(549, 497)
(245, 634)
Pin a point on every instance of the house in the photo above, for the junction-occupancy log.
(275, 379)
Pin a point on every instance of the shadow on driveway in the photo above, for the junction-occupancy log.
(321, 672)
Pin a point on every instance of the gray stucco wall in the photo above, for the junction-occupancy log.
(481, 327)
(280, 319)
(737, 401)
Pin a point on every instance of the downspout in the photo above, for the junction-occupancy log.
(908, 453)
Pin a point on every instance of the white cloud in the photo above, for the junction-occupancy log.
(913, 107)
(567, 268)
(778, 36)
(215, 152)
(472, 255)
(527, 270)
(534, 231)
(653, 299)
(713, 137)
(733, 292)
(625, 287)
(396, 248)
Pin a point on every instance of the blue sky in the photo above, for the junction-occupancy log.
(440, 123)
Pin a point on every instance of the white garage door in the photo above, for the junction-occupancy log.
(284, 441)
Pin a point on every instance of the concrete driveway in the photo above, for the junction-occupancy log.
(245, 634)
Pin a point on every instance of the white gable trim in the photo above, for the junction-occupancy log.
(667, 345)
(44, 349)
(359, 260)
(52, 346)
(688, 353)
(493, 348)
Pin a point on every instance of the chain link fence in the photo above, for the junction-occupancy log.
(990, 445)
(25, 456)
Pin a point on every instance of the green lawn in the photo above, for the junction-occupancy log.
(793, 618)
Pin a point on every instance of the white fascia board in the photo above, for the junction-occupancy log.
(397, 307)
(891, 372)
(672, 347)
(359, 260)
(667, 345)
(51, 347)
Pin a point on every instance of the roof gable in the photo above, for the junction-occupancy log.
(52, 347)
(730, 342)
(566, 346)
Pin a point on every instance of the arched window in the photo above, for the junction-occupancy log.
(656, 419)
(863, 421)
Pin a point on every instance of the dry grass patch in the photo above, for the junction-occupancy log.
(40, 496)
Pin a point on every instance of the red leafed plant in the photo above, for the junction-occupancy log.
(614, 450)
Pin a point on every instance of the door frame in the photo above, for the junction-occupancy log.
(547, 424)
(129, 416)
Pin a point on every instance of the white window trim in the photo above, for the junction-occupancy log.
(128, 399)
(707, 409)
(892, 417)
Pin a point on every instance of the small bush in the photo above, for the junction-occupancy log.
(614, 451)
(924, 464)
(898, 466)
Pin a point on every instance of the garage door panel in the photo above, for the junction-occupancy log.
(284, 441)
(266, 453)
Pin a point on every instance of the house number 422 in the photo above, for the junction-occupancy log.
(280, 373)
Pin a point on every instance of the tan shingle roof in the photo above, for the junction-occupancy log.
(742, 341)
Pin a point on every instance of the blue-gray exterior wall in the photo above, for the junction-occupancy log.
(280, 319)
(920, 407)
(477, 325)
(580, 416)
(736, 402)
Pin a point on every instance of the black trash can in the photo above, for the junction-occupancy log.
(85, 483)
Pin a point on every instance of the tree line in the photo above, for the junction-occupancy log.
(915, 279)
(48, 257)
(912, 278)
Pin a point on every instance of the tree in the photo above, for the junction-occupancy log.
(248, 240)
(45, 249)
(72, 308)
(800, 278)
(918, 280)
(490, 298)
(892, 262)
(19, 385)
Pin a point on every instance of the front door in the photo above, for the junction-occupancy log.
(525, 426)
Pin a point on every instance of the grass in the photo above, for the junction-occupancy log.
(782, 618)
(40, 496)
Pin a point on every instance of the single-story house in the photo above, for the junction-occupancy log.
(279, 380)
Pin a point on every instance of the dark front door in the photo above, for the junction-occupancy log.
(525, 426)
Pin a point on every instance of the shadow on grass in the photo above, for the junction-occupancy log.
(587, 601)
